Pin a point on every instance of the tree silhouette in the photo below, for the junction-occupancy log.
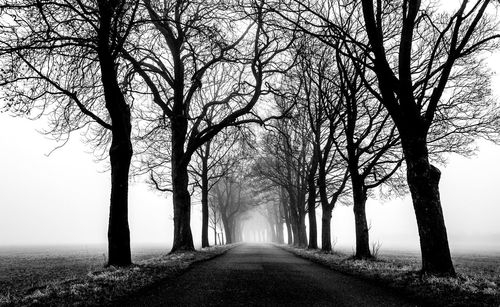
(430, 78)
(63, 58)
(191, 43)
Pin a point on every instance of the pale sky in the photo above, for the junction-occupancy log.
(64, 198)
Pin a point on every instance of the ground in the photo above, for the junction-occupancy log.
(76, 276)
(55, 276)
(265, 275)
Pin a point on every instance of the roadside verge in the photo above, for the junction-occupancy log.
(404, 277)
(107, 285)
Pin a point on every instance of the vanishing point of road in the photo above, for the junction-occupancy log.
(265, 275)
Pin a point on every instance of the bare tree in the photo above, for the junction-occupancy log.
(284, 160)
(213, 160)
(371, 150)
(433, 87)
(63, 58)
(430, 78)
(322, 104)
(215, 221)
(232, 199)
(192, 43)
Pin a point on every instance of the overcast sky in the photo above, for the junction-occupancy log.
(64, 198)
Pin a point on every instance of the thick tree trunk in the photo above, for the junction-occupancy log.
(326, 236)
(361, 226)
(362, 231)
(118, 229)
(120, 152)
(183, 239)
(423, 180)
(204, 203)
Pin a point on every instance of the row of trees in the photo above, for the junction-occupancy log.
(353, 95)
(90, 64)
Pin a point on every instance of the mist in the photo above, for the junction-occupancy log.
(63, 199)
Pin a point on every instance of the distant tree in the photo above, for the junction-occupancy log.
(271, 210)
(214, 221)
(62, 58)
(232, 199)
(284, 160)
(266, 201)
(211, 164)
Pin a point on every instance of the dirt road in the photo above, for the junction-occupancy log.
(264, 275)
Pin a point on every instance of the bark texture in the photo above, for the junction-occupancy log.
(183, 239)
(423, 180)
(362, 231)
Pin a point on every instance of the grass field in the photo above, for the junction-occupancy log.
(23, 269)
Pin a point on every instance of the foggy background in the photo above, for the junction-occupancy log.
(64, 199)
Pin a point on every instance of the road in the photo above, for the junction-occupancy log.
(265, 275)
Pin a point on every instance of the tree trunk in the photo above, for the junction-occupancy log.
(326, 236)
(279, 224)
(295, 221)
(120, 152)
(295, 232)
(297, 217)
(289, 234)
(183, 239)
(227, 230)
(313, 229)
(286, 215)
(215, 235)
(362, 231)
(311, 203)
(423, 180)
(361, 226)
(302, 230)
(204, 201)
(118, 229)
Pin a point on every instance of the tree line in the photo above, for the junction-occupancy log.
(286, 105)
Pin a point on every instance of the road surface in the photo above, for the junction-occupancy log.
(265, 275)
